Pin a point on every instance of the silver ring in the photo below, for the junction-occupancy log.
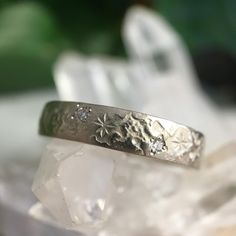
(122, 130)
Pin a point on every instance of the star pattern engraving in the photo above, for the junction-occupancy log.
(104, 126)
(181, 141)
(129, 131)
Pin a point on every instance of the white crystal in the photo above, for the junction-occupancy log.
(73, 182)
(139, 196)
(100, 80)
(147, 195)
(173, 93)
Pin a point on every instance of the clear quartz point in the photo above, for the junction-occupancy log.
(101, 80)
(73, 182)
(108, 193)
(114, 193)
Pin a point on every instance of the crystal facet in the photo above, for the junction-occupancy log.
(143, 198)
(73, 182)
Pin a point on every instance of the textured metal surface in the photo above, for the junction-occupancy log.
(122, 130)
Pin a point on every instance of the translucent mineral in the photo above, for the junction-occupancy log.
(73, 182)
(103, 192)
(76, 182)
(108, 193)
(101, 80)
(173, 92)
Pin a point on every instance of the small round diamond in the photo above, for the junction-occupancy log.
(157, 145)
(82, 113)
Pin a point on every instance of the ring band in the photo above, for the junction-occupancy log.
(122, 130)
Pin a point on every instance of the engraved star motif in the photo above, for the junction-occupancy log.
(105, 125)
(181, 141)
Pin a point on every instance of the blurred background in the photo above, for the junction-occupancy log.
(34, 33)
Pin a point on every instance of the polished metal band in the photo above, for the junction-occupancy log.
(122, 130)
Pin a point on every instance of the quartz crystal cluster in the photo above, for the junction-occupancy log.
(108, 193)
(73, 181)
